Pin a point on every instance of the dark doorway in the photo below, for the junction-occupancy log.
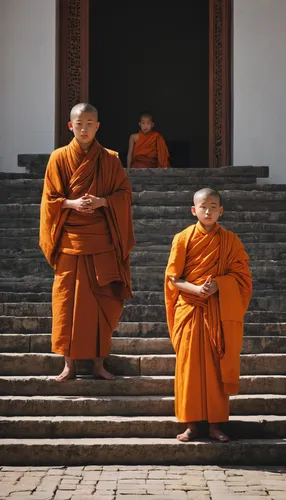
(154, 57)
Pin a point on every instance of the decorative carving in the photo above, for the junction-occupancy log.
(219, 74)
(73, 29)
(74, 53)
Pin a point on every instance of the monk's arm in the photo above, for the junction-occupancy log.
(130, 149)
(186, 287)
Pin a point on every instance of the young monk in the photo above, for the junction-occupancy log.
(208, 287)
(86, 234)
(147, 149)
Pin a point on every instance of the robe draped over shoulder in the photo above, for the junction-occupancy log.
(150, 151)
(207, 333)
(89, 252)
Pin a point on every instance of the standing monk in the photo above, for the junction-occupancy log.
(208, 287)
(86, 234)
(147, 149)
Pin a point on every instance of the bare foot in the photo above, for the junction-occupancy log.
(216, 434)
(68, 372)
(101, 372)
(189, 434)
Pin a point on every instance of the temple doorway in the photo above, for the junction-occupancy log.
(152, 57)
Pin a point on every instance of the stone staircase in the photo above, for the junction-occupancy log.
(131, 419)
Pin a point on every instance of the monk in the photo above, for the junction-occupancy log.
(147, 148)
(86, 234)
(208, 287)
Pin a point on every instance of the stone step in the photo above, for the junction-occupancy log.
(24, 213)
(246, 427)
(39, 161)
(165, 227)
(256, 404)
(33, 186)
(183, 213)
(29, 191)
(184, 219)
(40, 284)
(173, 226)
(17, 239)
(17, 190)
(42, 311)
(158, 253)
(124, 386)
(145, 329)
(274, 300)
(134, 345)
(143, 277)
(232, 200)
(139, 260)
(138, 451)
(152, 364)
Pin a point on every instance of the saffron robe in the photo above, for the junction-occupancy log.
(150, 151)
(89, 252)
(207, 333)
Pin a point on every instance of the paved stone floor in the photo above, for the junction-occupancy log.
(142, 482)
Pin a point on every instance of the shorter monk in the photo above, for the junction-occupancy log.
(147, 148)
(208, 287)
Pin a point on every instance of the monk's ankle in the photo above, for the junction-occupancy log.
(192, 427)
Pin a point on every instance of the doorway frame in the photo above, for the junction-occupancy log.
(72, 72)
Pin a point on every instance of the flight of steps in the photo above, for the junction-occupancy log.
(131, 419)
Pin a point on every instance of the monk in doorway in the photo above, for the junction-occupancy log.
(208, 286)
(147, 148)
(86, 234)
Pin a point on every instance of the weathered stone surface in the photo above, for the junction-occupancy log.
(125, 385)
(143, 364)
(142, 352)
(104, 451)
(135, 345)
(129, 405)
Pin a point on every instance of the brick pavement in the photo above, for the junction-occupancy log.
(141, 482)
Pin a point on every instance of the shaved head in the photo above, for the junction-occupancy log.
(83, 107)
(205, 193)
(146, 115)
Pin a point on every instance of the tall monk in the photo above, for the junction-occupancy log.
(208, 287)
(86, 234)
(147, 148)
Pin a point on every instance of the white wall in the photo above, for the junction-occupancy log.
(259, 84)
(27, 81)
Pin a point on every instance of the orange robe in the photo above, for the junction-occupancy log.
(89, 252)
(150, 151)
(207, 333)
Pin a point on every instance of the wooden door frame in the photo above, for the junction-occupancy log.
(72, 75)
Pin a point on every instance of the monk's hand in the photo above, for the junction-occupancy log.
(213, 288)
(208, 288)
(80, 205)
(204, 290)
(93, 202)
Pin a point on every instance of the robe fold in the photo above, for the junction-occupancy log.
(89, 252)
(150, 151)
(207, 333)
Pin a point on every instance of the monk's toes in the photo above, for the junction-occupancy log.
(104, 375)
(219, 436)
(187, 436)
(63, 377)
